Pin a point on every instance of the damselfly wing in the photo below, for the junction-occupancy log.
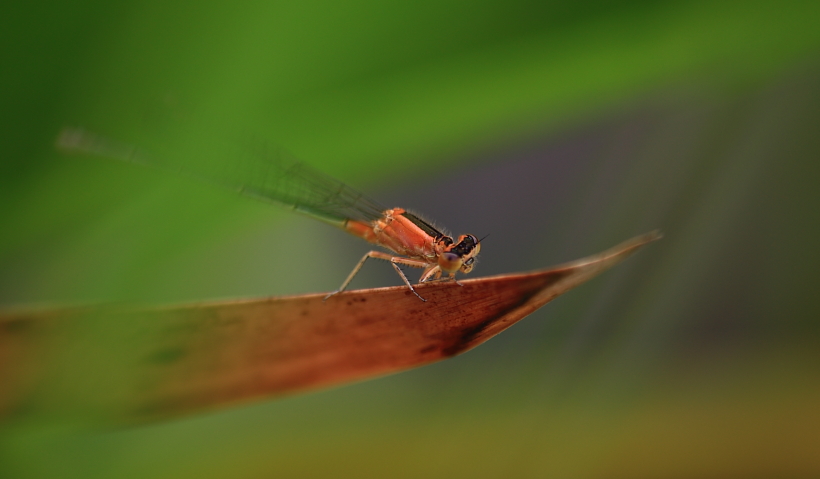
(271, 175)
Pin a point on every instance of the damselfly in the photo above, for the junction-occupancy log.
(271, 175)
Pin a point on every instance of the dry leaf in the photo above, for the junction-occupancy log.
(124, 366)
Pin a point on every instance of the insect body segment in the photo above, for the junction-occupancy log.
(419, 244)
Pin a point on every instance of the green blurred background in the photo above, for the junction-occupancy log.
(559, 128)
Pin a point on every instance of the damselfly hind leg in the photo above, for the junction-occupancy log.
(395, 261)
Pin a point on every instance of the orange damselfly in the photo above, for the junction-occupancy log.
(272, 176)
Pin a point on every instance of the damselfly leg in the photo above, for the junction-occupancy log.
(395, 261)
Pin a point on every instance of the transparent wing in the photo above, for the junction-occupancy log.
(259, 171)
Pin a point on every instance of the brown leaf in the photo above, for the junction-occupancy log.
(123, 365)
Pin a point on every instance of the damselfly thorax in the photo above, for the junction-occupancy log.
(269, 174)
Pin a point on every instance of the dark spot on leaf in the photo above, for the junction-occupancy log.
(16, 325)
(428, 349)
(166, 356)
(468, 335)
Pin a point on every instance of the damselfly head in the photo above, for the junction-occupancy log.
(460, 256)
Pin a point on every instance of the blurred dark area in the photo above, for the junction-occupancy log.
(557, 128)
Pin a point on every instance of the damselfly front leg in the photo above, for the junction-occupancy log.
(436, 277)
(395, 261)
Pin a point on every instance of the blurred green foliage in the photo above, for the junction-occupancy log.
(699, 361)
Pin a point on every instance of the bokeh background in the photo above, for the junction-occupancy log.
(559, 128)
